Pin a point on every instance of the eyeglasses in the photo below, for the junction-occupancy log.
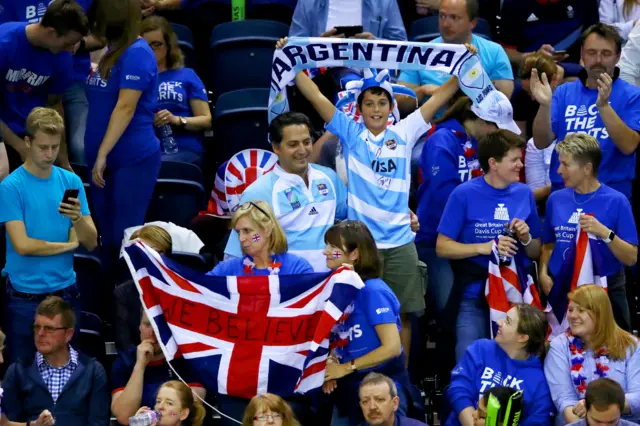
(48, 329)
(247, 206)
(156, 45)
(265, 417)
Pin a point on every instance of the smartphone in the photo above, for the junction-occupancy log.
(559, 54)
(349, 31)
(70, 193)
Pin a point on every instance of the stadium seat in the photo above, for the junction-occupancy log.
(3, 247)
(240, 122)
(194, 261)
(88, 268)
(426, 29)
(177, 201)
(91, 342)
(185, 41)
(242, 53)
(180, 170)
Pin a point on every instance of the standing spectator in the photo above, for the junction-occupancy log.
(36, 66)
(536, 167)
(599, 104)
(379, 402)
(604, 403)
(475, 214)
(182, 97)
(121, 145)
(630, 58)
(622, 14)
(458, 18)
(42, 231)
(380, 19)
(593, 207)
(69, 384)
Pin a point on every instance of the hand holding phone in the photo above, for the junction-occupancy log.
(349, 31)
(70, 193)
(68, 208)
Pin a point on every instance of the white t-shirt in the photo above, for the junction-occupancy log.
(344, 13)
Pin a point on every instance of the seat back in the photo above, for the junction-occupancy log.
(194, 261)
(3, 247)
(91, 341)
(180, 170)
(177, 201)
(242, 53)
(186, 44)
(89, 273)
(426, 29)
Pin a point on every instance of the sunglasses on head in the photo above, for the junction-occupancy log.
(248, 205)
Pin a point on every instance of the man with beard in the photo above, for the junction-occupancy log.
(599, 104)
(138, 373)
(379, 402)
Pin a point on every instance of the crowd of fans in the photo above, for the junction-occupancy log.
(101, 83)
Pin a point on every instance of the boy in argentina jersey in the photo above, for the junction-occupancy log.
(379, 173)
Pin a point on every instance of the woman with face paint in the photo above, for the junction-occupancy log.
(263, 243)
(177, 406)
(371, 333)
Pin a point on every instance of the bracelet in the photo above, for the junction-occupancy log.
(528, 242)
(77, 220)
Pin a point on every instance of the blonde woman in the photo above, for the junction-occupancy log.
(263, 244)
(593, 348)
(269, 409)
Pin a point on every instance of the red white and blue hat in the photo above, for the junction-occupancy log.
(242, 170)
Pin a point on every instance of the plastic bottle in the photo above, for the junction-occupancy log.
(145, 419)
(506, 260)
(165, 134)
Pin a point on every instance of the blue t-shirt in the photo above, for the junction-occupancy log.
(136, 69)
(29, 75)
(477, 213)
(35, 202)
(290, 265)
(574, 110)
(176, 88)
(32, 11)
(493, 58)
(155, 375)
(444, 166)
(609, 206)
(375, 304)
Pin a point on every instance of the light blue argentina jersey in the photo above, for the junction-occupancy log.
(379, 175)
(304, 213)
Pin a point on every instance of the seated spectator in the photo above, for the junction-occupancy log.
(37, 69)
(182, 239)
(475, 214)
(294, 189)
(630, 58)
(604, 403)
(268, 408)
(178, 406)
(263, 244)
(593, 207)
(126, 296)
(594, 347)
(514, 360)
(379, 19)
(529, 26)
(536, 168)
(599, 104)
(379, 402)
(69, 384)
(622, 14)
(505, 413)
(182, 97)
(138, 373)
(42, 230)
(372, 330)
(458, 18)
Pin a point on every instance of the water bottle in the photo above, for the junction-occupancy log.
(506, 260)
(165, 134)
(145, 419)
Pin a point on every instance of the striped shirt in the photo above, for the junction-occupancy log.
(304, 212)
(57, 377)
(379, 174)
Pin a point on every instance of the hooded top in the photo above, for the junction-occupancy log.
(485, 365)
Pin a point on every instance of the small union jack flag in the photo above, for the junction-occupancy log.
(337, 254)
(256, 238)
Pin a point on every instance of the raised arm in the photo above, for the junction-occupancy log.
(439, 99)
(541, 90)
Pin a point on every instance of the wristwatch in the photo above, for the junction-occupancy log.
(353, 365)
(183, 121)
(610, 237)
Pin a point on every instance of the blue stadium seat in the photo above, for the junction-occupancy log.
(242, 53)
(185, 41)
(426, 29)
(180, 170)
(241, 122)
(91, 342)
(3, 247)
(177, 201)
(89, 273)
(194, 261)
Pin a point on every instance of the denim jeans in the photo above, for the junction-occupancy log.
(76, 110)
(472, 324)
(439, 278)
(19, 317)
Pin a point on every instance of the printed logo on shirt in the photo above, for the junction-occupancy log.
(322, 188)
(467, 168)
(354, 332)
(132, 77)
(384, 166)
(582, 119)
(94, 79)
(490, 378)
(435, 170)
(313, 211)
(34, 14)
(25, 76)
(292, 198)
(167, 91)
(532, 18)
(575, 216)
(382, 310)
(391, 144)
(570, 12)
(501, 213)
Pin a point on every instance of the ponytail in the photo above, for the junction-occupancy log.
(197, 413)
(459, 110)
(119, 22)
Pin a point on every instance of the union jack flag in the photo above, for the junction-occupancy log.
(217, 205)
(244, 335)
(582, 265)
(507, 285)
(242, 170)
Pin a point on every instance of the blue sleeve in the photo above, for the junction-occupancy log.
(463, 391)
(139, 70)
(299, 266)
(454, 215)
(631, 114)
(626, 225)
(556, 371)
(540, 411)
(82, 196)
(11, 203)
(379, 306)
(120, 372)
(439, 159)
(62, 76)
(99, 405)
(345, 129)
(226, 268)
(394, 30)
(300, 22)
(11, 401)
(533, 220)
(341, 197)
(412, 77)
(195, 87)
(502, 66)
(548, 233)
(557, 113)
